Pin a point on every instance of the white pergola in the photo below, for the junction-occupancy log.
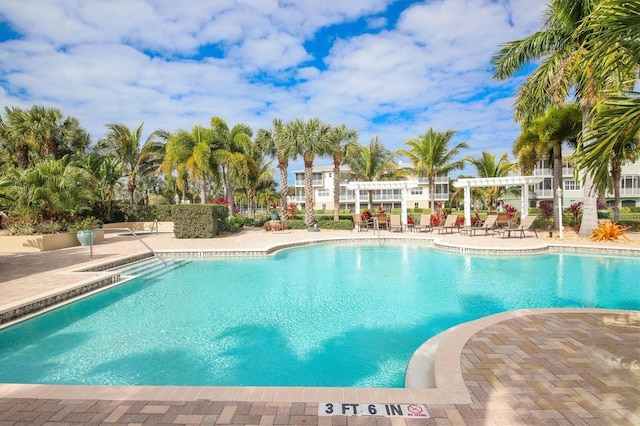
(522, 181)
(404, 185)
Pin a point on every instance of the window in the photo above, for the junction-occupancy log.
(416, 205)
(323, 193)
(571, 185)
(316, 179)
(416, 191)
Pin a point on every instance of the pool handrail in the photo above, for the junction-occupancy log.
(129, 231)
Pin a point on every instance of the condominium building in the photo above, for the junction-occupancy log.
(323, 179)
(572, 188)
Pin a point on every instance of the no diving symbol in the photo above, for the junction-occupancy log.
(416, 410)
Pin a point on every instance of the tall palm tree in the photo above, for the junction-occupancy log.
(308, 138)
(341, 139)
(226, 145)
(40, 132)
(612, 37)
(274, 142)
(559, 48)
(125, 145)
(253, 173)
(371, 163)
(543, 139)
(189, 154)
(431, 157)
(487, 167)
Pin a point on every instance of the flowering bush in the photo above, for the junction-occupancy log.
(224, 202)
(460, 221)
(575, 209)
(475, 220)
(410, 220)
(275, 225)
(292, 210)
(438, 218)
(510, 210)
(380, 209)
(366, 215)
(546, 209)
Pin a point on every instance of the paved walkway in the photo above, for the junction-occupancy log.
(523, 367)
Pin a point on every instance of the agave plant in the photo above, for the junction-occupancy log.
(609, 231)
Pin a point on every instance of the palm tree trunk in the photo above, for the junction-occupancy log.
(557, 179)
(590, 197)
(336, 191)
(432, 192)
(616, 173)
(284, 188)
(370, 199)
(308, 193)
(22, 155)
(131, 187)
(203, 191)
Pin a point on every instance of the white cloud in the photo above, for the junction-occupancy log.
(138, 61)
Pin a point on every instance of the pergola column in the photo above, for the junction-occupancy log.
(524, 199)
(467, 205)
(403, 214)
(357, 191)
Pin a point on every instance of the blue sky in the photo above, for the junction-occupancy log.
(386, 68)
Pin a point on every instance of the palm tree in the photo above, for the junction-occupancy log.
(124, 144)
(559, 47)
(52, 189)
(308, 138)
(274, 143)
(431, 157)
(341, 139)
(371, 163)
(487, 167)
(253, 173)
(543, 139)
(189, 154)
(612, 34)
(40, 132)
(226, 146)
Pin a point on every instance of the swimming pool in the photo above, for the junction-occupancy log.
(325, 315)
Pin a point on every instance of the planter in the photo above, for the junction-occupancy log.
(274, 216)
(86, 237)
(38, 243)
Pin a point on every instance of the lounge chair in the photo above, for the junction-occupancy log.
(526, 224)
(448, 225)
(488, 225)
(359, 223)
(395, 222)
(425, 223)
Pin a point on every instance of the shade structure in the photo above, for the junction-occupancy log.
(522, 181)
(403, 185)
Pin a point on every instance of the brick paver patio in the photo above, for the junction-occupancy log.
(578, 367)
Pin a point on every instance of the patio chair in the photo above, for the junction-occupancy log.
(526, 224)
(395, 222)
(448, 225)
(488, 225)
(425, 223)
(359, 223)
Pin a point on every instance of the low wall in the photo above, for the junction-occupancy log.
(45, 242)
(142, 226)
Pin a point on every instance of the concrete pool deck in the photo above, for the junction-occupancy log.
(523, 367)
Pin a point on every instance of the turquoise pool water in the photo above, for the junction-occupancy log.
(325, 315)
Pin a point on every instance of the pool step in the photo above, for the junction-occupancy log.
(149, 267)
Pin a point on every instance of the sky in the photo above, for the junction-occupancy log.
(385, 68)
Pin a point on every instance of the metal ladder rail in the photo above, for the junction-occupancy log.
(129, 231)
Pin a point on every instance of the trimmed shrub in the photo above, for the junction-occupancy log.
(199, 220)
(342, 224)
(296, 224)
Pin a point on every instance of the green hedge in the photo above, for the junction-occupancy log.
(199, 220)
(342, 224)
